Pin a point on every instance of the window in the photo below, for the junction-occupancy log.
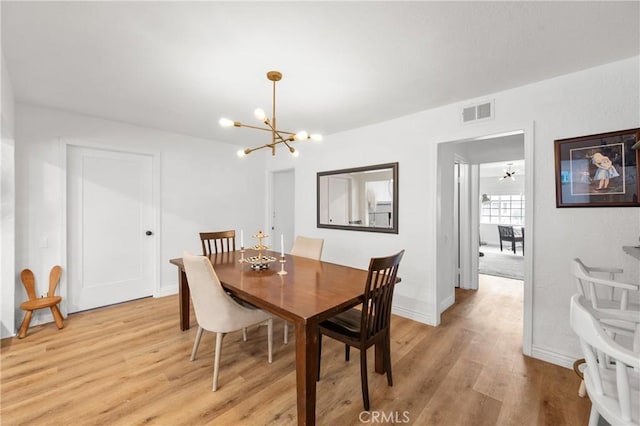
(503, 210)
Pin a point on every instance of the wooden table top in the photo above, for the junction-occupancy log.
(310, 289)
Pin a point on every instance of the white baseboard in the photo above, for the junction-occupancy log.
(552, 357)
(412, 315)
(447, 303)
(166, 291)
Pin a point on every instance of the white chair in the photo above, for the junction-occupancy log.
(304, 247)
(216, 311)
(307, 247)
(604, 294)
(612, 373)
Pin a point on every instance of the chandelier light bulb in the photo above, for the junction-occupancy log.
(302, 135)
(260, 114)
(241, 153)
(316, 137)
(225, 122)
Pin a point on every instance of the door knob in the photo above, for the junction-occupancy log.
(149, 233)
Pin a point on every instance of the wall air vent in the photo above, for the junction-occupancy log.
(477, 112)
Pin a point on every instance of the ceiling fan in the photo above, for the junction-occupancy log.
(508, 173)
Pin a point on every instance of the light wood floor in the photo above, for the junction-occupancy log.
(129, 364)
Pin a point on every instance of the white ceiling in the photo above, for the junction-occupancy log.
(180, 66)
(498, 169)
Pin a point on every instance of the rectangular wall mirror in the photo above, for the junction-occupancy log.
(359, 199)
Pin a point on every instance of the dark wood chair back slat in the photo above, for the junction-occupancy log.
(218, 242)
(378, 295)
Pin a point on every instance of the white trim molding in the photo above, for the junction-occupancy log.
(552, 357)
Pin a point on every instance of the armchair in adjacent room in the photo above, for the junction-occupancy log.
(510, 235)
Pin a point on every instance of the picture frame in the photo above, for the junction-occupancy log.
(600, 170)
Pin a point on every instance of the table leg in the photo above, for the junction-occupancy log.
(184, 297)
(306, 371)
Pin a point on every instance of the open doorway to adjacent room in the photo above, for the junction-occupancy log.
(459, 227)
(502, 219)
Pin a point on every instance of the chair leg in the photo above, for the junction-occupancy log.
(216, 360)
(347, 351)
(196, 343)
(25, 325)
(57, 316)
(500, 245)
(270, 339)
(513, 246)
(582, 392)
(364, 379)
(319, 355)
(286, 332)
(387, 359)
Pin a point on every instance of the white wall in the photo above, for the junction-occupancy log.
(204, 187)
(592, 101)
(7, 207)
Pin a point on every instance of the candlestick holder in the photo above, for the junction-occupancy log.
(282, 262)
(242, 259)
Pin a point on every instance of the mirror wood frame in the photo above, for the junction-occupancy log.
(394, 172)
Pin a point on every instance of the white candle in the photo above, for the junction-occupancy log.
(282, 244)
(242, 238)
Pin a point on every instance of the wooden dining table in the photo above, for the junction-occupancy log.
(310, 292)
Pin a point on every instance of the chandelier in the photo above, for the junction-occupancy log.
(277, 136)
(508, 173)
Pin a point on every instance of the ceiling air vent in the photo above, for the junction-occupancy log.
(477, 112)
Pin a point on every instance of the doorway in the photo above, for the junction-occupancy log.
(502, 219)
(282, 215)
(111, 227)
(460, 233)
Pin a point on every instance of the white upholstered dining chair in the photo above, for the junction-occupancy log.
(307, 247)
(304, 247)
(612, 373)
(216, 311)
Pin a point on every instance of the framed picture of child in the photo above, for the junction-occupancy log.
(598, 170)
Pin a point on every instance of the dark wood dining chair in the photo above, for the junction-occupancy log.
(507, 234)
(218, 242)
(362, 328)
